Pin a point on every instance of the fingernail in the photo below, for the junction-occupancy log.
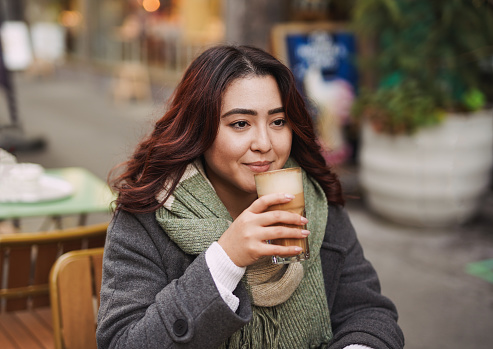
(304, 220)
(298, 249)
(289, 196)
(305, 232)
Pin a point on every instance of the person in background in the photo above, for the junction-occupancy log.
(186, 261)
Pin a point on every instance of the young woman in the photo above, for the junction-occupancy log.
(186, 262)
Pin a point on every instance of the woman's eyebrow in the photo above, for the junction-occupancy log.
(251, 112)
(276, 111)
(239, 111)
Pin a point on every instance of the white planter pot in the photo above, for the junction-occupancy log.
(434, 178)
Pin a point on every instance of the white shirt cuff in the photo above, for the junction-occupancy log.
(225, 273)
(357, 346)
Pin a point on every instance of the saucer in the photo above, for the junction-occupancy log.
(48, 188)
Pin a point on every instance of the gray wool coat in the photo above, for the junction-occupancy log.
(153, 295)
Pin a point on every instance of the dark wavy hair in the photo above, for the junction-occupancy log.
(191, 123)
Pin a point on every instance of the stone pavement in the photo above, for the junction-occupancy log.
(422, 270)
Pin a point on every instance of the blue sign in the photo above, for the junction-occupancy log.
(333, 53)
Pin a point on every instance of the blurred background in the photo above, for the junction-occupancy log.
(400, 91)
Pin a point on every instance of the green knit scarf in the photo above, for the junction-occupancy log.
(194, 217)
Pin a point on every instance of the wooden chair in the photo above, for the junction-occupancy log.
(75, 283)
(25, 263)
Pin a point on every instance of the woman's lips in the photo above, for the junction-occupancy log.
(259, 166)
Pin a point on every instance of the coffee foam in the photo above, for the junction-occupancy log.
(282, 181)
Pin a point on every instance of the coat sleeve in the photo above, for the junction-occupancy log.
(359, 313)
(155, 296)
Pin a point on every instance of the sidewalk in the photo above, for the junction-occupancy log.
(422, 270)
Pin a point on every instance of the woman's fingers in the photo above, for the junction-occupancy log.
(245, 244)
(263, 203)
(281, 217)
(245, 240)
(277, 233)
(281, 232)
(283, 251)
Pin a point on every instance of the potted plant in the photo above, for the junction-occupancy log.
(426, 148)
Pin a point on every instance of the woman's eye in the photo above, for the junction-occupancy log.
(239, 124)
(279, 122)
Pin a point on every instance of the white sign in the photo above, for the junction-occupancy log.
(16, 45)
(48, 41)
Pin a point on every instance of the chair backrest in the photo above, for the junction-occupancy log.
(26, 260)
(75, 283)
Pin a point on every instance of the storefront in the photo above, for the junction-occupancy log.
(161, 34)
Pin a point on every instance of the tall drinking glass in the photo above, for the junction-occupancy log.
(289, 181)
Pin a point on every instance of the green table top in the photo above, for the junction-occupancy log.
(90, 195)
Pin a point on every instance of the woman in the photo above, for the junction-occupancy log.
(186, 261)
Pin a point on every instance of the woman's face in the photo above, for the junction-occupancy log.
(253, 136)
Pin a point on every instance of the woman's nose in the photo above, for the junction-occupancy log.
(261, 141)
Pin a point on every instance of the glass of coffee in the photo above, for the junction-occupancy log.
(289, 181)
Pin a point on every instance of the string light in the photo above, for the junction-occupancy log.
(70, 19)
(151, 5)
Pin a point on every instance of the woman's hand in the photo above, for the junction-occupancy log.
(245, 241)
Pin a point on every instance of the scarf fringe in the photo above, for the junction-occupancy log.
(262, 332)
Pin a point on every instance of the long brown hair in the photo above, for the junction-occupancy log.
(190, 125)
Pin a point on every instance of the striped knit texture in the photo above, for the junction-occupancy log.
(194, 217)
